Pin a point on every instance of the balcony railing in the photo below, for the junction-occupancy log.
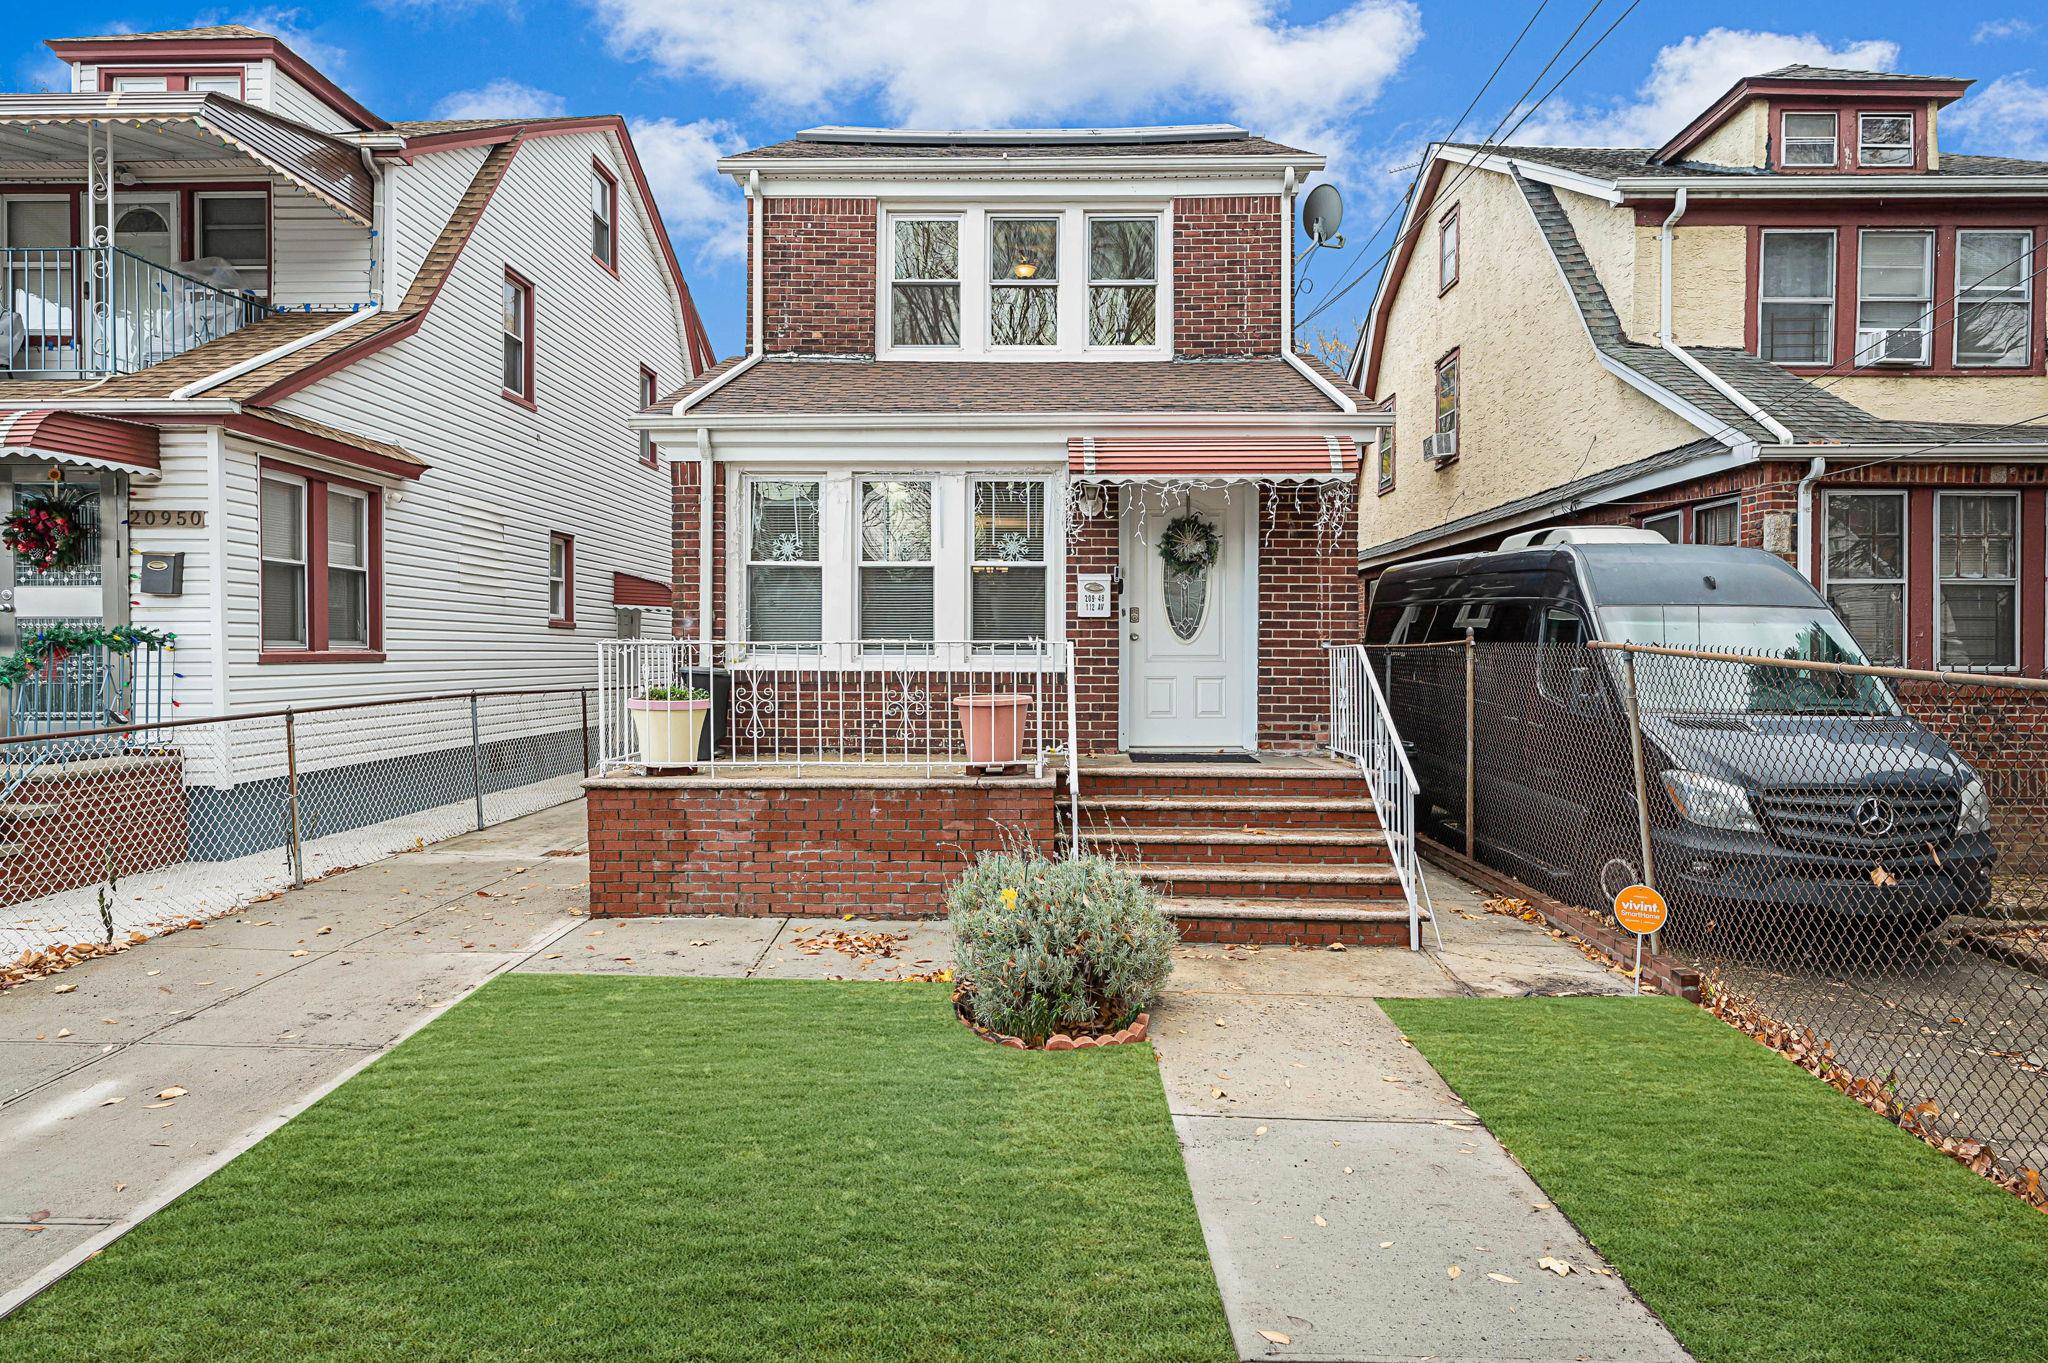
(874, 703)
(91, 311)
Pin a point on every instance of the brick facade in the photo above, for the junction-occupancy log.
(75, 823)
(687, 525)
(1227, 276)
(1098, 643)
(827, 847)
(818, 269)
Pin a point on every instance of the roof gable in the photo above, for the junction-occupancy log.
(1808, 82)
(221, 42)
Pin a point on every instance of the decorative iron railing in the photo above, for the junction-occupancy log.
(90, 688)
(91, 311)
(1362, 729)
(901, 703)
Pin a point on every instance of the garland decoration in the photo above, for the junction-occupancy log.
(41, 651)
(47, 530)
(1188, 545)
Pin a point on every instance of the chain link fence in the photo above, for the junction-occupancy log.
(111, 833)
(1855, 857)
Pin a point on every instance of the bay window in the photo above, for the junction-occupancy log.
(895, 580)
(1994, 298)
(1977, 583)
(924, 288)
(1123, 281)
(1894, 297)
(1884, 140)
(1865, 577)
(785, 566)
(320, 554)
(1809, 140)
(1024, 274)
(1008, 574)
(1796, 297)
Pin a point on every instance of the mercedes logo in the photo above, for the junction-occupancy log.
(1875, 817)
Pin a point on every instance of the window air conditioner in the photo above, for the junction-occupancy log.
(1440, 448)
(1891, 345)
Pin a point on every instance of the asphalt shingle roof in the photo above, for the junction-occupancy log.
(802, 149)
(1801, 71)
(1614, 163)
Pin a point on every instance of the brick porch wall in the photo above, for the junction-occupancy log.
(1227, 276)
(822, 848)
(125, 811)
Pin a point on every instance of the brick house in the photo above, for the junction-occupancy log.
(1800, 325)
(994, 384)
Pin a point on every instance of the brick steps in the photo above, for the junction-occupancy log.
(1252, 844)
(1227, 781)
(1183, 880)
(1296, 811)
(1286, 922)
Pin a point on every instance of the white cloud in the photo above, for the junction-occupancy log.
(502, 98)
(2008, 117)
(1994, 29)
(290, 23)
(1687, 77)
(704, 212)
(935, 63)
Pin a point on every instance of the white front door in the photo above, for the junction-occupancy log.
(1189, 655)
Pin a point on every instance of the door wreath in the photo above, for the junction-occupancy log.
(1188, 545)
(47, 530)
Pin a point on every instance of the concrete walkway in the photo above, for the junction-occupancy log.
(1296, 1100)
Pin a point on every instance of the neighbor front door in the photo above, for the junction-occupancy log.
(1188, 652)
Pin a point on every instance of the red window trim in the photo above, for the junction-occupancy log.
(650, 393)
(567, 620)
(526, 398)
(1848, 227)
(177, 78)
(318, 648)
(611, 183)
(1444, 224)
(1848, 114)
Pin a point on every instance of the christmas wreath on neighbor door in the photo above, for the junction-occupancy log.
(1188, 545)
(47, 531)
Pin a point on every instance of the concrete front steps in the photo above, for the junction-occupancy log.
(1266, 853)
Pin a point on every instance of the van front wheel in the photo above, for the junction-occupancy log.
(1617, 863)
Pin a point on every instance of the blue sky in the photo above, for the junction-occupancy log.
(1368, 81)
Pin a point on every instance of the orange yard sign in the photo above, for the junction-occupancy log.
(1640, 909)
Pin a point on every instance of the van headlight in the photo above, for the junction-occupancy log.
(1974, 813)
(1711, 803)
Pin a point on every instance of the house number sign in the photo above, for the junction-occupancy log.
(161, 519)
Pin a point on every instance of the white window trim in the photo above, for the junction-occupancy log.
(1925, 320)
(1159, 321)
(1834, 140)
(1693, 522)
(1045, 561)
(2019, 558)
(1072, 286)
(839, 545)
(1903, 581)
(1863, 144)
(304, 563)
(199, 229)
(2026, 297)
(361, 500)
(861, 561)
(887, 274)
(1832, 299)
(744, 534)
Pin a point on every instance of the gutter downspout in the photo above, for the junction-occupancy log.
(1677, 352)
(1809, 532)
(1294, 361)
(707, 499)
(757, 339)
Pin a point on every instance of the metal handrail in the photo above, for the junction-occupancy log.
(1366, 733)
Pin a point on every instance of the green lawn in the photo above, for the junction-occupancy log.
(591, 1168)
(1763, 1215)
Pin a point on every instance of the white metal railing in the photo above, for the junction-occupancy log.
(1362, 729)
(840, 703)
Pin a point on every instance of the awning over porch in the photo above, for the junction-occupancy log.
(1221, 458)
(80, 439)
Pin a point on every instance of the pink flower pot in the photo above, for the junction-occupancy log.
(994, 729)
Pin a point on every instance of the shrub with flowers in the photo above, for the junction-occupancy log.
(1044, 946)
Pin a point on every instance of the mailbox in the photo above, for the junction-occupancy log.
(163, 574)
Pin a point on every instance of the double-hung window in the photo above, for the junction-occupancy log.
(604, 218)
(1894, 297)
(1809, 140)
(1866, 569)
(785, 567)
(1447, 402)
(235, 227)
(1447, 250)
(348, 569)
(1994, 298)
(1024, 278)
(1796, 297)
(896, 563)
(282, 530)
(1884, 139)
(650, 393)
(317, 539)
(561, 579)
(1123, 281)
(518, 338)
(1977, 595)
(1009, 577)
(924, 281)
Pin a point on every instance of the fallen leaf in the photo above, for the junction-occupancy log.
(1275, 1337)
(1454, 1271)
(1259, 1131)
(67, 988)
(1560, 1267)
(172, 1092)
(1321, 1222)
(111, 1101)
(324, 931)
(151, 1107)
(63, 1032)
(299, 952)
(1337, 946)
(1386, 1244)
(1504, 1278)
(1347, 1168)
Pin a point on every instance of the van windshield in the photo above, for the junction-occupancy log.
(1806, 633)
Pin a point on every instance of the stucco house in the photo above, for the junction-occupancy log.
(1800, 325)
(1018, 411)
(342, 402)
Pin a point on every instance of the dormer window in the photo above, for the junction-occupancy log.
(1884, 139)
(1810, 140)
(1024, 280)
(157, 81)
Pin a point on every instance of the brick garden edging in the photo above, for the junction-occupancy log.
(1058, 1041)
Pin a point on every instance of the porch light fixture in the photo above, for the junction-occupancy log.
(1090, 501)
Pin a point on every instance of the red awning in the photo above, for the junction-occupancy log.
(78, 438)
(645, 592)
(1252, 459)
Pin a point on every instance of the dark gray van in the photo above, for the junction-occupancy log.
(1770, 787)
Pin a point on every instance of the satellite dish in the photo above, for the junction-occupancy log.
(1322, 213)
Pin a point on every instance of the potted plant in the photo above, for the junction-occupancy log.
(1057, 954)
(669, 721)
(993, 726)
